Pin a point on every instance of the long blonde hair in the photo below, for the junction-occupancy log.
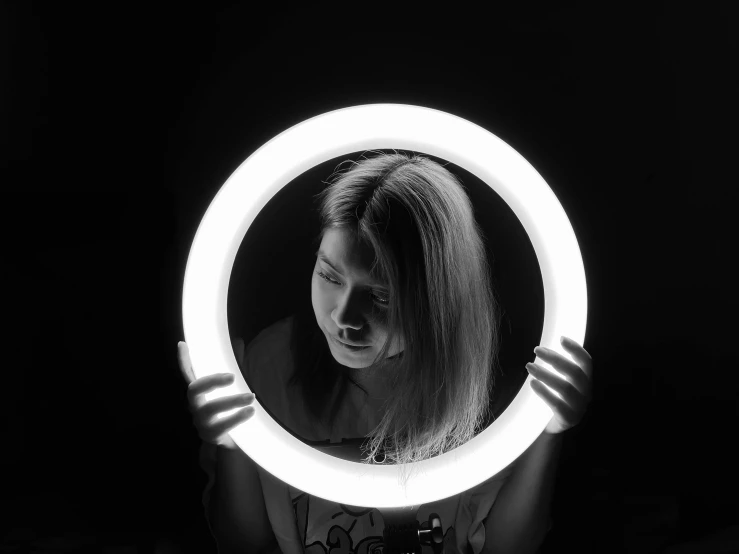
(429, 251)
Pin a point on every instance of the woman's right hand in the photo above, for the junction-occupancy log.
(204, 413)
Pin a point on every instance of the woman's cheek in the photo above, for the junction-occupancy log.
(321, 300)
(315, 295)
(379, 316)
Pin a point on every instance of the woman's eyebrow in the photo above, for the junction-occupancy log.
(323, 256)
(325, 259)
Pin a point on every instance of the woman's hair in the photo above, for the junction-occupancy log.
(429, 252)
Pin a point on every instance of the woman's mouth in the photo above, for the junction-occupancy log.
(348, 347)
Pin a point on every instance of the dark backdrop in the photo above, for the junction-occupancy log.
(119, 124)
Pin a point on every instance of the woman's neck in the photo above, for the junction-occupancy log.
(374, 383)
(370, 379)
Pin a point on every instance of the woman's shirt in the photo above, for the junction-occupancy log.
(302, 522)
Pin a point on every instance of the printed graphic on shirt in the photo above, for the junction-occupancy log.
(329, 528)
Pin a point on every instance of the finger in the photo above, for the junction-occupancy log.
(561, 388)
(224, 404)
(207, 384)
(581, 356)
(571, 370)
(215, 431)
(560, 408)
(557, 383)
(183, 357)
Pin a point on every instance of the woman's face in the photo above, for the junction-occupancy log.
(349, 306)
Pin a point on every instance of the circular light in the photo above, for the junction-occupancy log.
(327, 136)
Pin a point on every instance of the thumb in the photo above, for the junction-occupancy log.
(183, 357)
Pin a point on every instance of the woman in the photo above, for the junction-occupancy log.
(401, 347)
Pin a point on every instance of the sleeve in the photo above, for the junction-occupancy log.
(474, 507)
(266, 349)
(207, 456)
(207, 461)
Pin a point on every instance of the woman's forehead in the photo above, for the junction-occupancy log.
(344, 242)
(344, 251)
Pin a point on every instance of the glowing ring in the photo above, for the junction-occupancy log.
(327, 136)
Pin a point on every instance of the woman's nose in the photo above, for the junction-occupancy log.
(349, 311)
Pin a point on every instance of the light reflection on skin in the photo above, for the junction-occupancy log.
(349, 306)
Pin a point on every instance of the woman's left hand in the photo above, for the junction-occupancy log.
(575, 389)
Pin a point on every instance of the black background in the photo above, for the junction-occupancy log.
(120, 123)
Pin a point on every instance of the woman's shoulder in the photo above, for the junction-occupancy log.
(270, 345)
(275, 335)
(268, 369)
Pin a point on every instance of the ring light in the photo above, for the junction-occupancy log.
(319, 139)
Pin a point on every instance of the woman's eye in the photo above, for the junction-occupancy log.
(326, 277)
(380, 300)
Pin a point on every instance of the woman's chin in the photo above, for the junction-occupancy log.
(351, 359)
(348, 361)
